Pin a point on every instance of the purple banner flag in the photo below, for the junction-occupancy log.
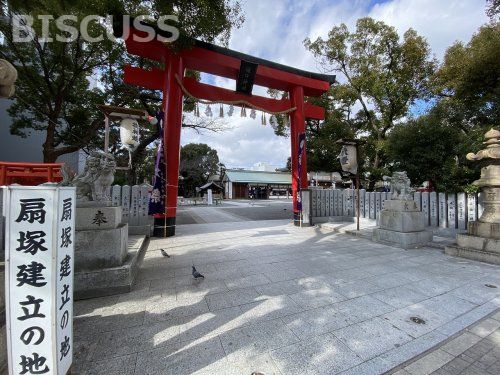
(157, 198)
(302, 147)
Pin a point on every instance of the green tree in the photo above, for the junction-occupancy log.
(198, 162)
(53, 90)
(467, 84)
(428, 149)
(340, 122)
(384, 73)
(322, 149)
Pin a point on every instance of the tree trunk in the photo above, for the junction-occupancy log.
(131, 175)
(373, 178)
(49, 155)
(48, 147)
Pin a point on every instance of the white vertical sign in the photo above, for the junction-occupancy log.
(40, 228)
(64, 279)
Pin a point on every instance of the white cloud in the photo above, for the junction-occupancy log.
(275, 30)
(247, 143)
(441, 22)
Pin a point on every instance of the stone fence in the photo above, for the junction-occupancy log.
(135, 205)
(445, 210)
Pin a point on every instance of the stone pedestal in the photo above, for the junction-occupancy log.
(402, 223)
(104, 264)
(101, 248)
(482, 241)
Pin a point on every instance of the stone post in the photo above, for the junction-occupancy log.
(461, 211)
(433, 204)
(362, 205)
(366, 212)
(372, 205)
(314, 203)
(452, 211)
(425, 207)
(443, 210)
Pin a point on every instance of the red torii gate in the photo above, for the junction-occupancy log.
(247, 71)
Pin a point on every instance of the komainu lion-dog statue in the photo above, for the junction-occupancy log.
(400, 186)
(94, 182)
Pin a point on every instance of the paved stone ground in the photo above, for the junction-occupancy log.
(280, 300)
(475, 351)
(236, 210)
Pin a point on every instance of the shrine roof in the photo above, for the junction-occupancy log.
(256, 177)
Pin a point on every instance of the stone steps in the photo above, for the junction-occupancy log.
(473, 254)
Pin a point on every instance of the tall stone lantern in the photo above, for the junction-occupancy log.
(482, 241)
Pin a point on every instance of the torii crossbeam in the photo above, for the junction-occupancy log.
(247, 71)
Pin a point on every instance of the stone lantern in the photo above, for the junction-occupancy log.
(482, 240)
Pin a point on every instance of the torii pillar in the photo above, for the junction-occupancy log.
(297, 126)
(172, 107)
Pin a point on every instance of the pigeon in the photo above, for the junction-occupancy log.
(164, 253)
(196, 274)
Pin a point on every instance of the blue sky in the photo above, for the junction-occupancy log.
(275, 29)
